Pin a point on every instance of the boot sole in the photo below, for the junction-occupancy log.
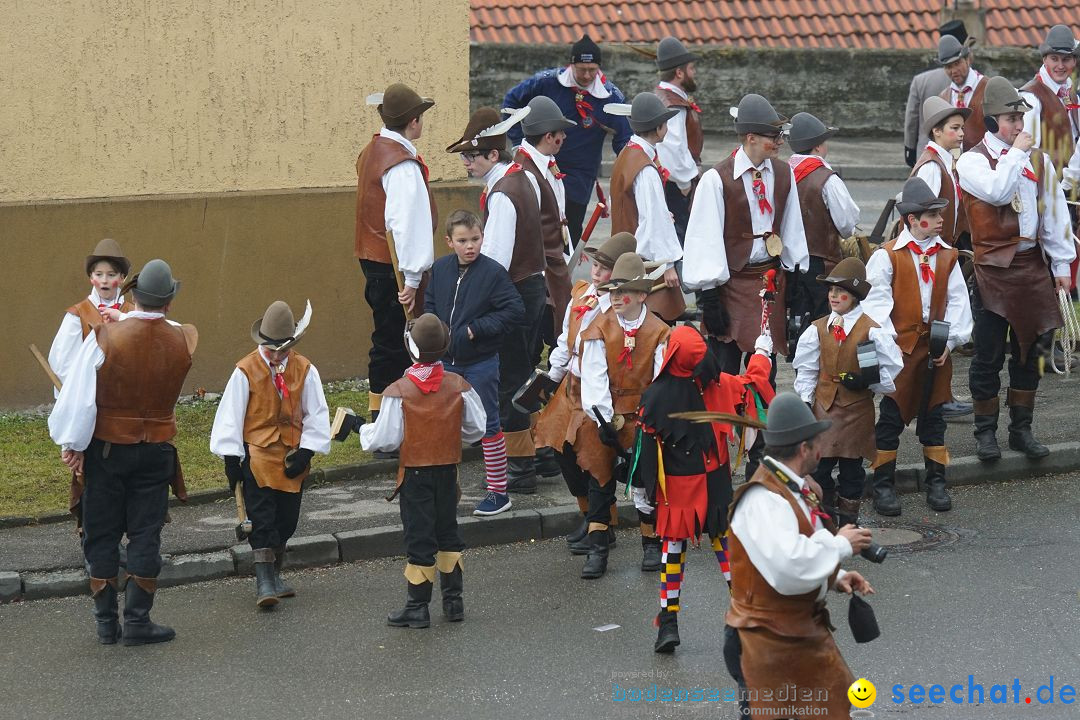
(667, 647)
(267, 602)
(889, 512)
(1030, 456)
(454, 618)
(410, 625)
(291, 593)
(988, 457)
(940, 508)
(129, 642)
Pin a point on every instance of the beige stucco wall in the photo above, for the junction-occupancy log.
(105, 98)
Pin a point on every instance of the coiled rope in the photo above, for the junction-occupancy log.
(1068, 335)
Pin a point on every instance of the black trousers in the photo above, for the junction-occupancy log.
(577, 480)
(930, 427)
(516, 354)
(127, 490)
(388, 358)
(273, 513)
(851, 478)
(733, 662)
(813, 297)
(601, 498)
(428, 503)
(575, 221)
(679, 207)
(991, 337)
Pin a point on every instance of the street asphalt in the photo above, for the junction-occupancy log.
(991, 591)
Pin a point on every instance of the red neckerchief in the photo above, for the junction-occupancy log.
(758, 186)
(483, 201)
(279, 383)
(423, 166)
(1063, 95)
(1026, 172)
(588, 303)
(664, 172)
(628, 350)
(960, 96)
(956, 180)
(807, 166)
(814, 504)
(426, 376)
(924, 259)
(838, 332)
(583, 106)
(554, 168)
(114, 306)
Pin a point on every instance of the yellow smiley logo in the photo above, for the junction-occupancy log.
(862, 693)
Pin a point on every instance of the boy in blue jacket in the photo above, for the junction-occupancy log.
(473, 295)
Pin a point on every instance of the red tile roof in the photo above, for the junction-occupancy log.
(756, 23)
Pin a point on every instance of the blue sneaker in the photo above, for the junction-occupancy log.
(493, 504)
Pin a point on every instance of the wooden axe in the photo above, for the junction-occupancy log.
(243, 527)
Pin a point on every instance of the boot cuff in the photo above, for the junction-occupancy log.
(936, 453)
(883, 457)
(265, 555)
(1020, 398)
(419, 574)
(447, 561)
(990, 406)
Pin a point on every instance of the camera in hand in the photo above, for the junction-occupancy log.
(875, 553)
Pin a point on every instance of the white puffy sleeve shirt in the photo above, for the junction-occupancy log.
(388, 431)
(595, 382)
(408, 214)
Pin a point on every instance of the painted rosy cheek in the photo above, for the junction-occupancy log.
(626, 299)
(924, 224)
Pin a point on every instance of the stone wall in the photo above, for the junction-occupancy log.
(861, 91)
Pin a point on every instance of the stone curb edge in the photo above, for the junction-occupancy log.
(513, 526)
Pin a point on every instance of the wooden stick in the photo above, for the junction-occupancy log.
(397, 273)
(45, 366)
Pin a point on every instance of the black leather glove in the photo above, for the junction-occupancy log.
(298, 462)
(233, 471)
(610, 436)
(909, 157)
(714, 315)
(853, 381)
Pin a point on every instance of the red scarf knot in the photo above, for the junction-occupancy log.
(426, 376)
(960, 96)
(554, 168)
(694, 106)
(759, 192)
(103, 306)
(814, 504)
(589, 302)
(626, 356)
(279, 383)
(924, 259)
(1029, 175)
(583, 106)
(838, 332)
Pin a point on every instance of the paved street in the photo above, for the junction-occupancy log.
(997, 598)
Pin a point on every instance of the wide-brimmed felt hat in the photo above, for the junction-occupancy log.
(612, 249)
(949, 50)
(647, 112)
(585, 51)
(670, 53)
(486, 130)
(755, 114)
(936, 110)
(1000, 97)
(807, 132)
(108, 249)
(153, 286)
(277, 329)
(544, 117)
(427, 338)
(629, 274)
(399, 104)
(850, 274)
(791, 422)
(917, 197)
(1059, 39)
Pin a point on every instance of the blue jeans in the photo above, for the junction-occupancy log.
(484, 378)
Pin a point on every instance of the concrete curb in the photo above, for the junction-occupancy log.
(513, 526)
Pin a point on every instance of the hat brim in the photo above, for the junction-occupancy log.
(122, 262)
(860, 292)
(1045, 50)
(270, 343)
(794, 436)
(417, 110)
(676, 61)
(484, 144)
(655, 122)
(545, 126)
(594, 254)
(931, 122)
(643, 284)
(909, 208)
(802, 145)
(756, 128)
(965, 51)
(145, 298)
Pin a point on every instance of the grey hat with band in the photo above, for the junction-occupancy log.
(544, 117)
(807, 132)
(612, 249)
(936, 110)
(756, 115)
(791, 422)
(949, 50)
(917, 197)
(1060, 40)
(671, 53)
(648, 112)
(153, 286)
(1001, 98)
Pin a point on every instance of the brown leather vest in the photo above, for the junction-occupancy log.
(1057, 139)
(551, 223)
(90, 317)
(432, 422)
(380, 155)
(822, 237)
(754, 602)
(907, 301)
(974, 125)
(624, 212)
(738, 225)
(528, 256)
(995, 229)
(834, 359)
(950, 228)
(139, 383)
(269, 417)
(627, 383)
(573, 325)
(695, 137)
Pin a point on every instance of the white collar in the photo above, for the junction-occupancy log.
(283, 364)
(941, 152)
(96, 300)
(970, 81)
(743, 163)
(603, 301)
(997, 146)
(399, 138)
(673, 88)
(848, 319)
(645, 145)
(632, 324)
(791, 474)
(596, 87)
(143, 315)
(906, 237)
(536, 155)
(495, 174)
(796, 159)
(1051, 83)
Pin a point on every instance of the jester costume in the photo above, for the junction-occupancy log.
(683, 469)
